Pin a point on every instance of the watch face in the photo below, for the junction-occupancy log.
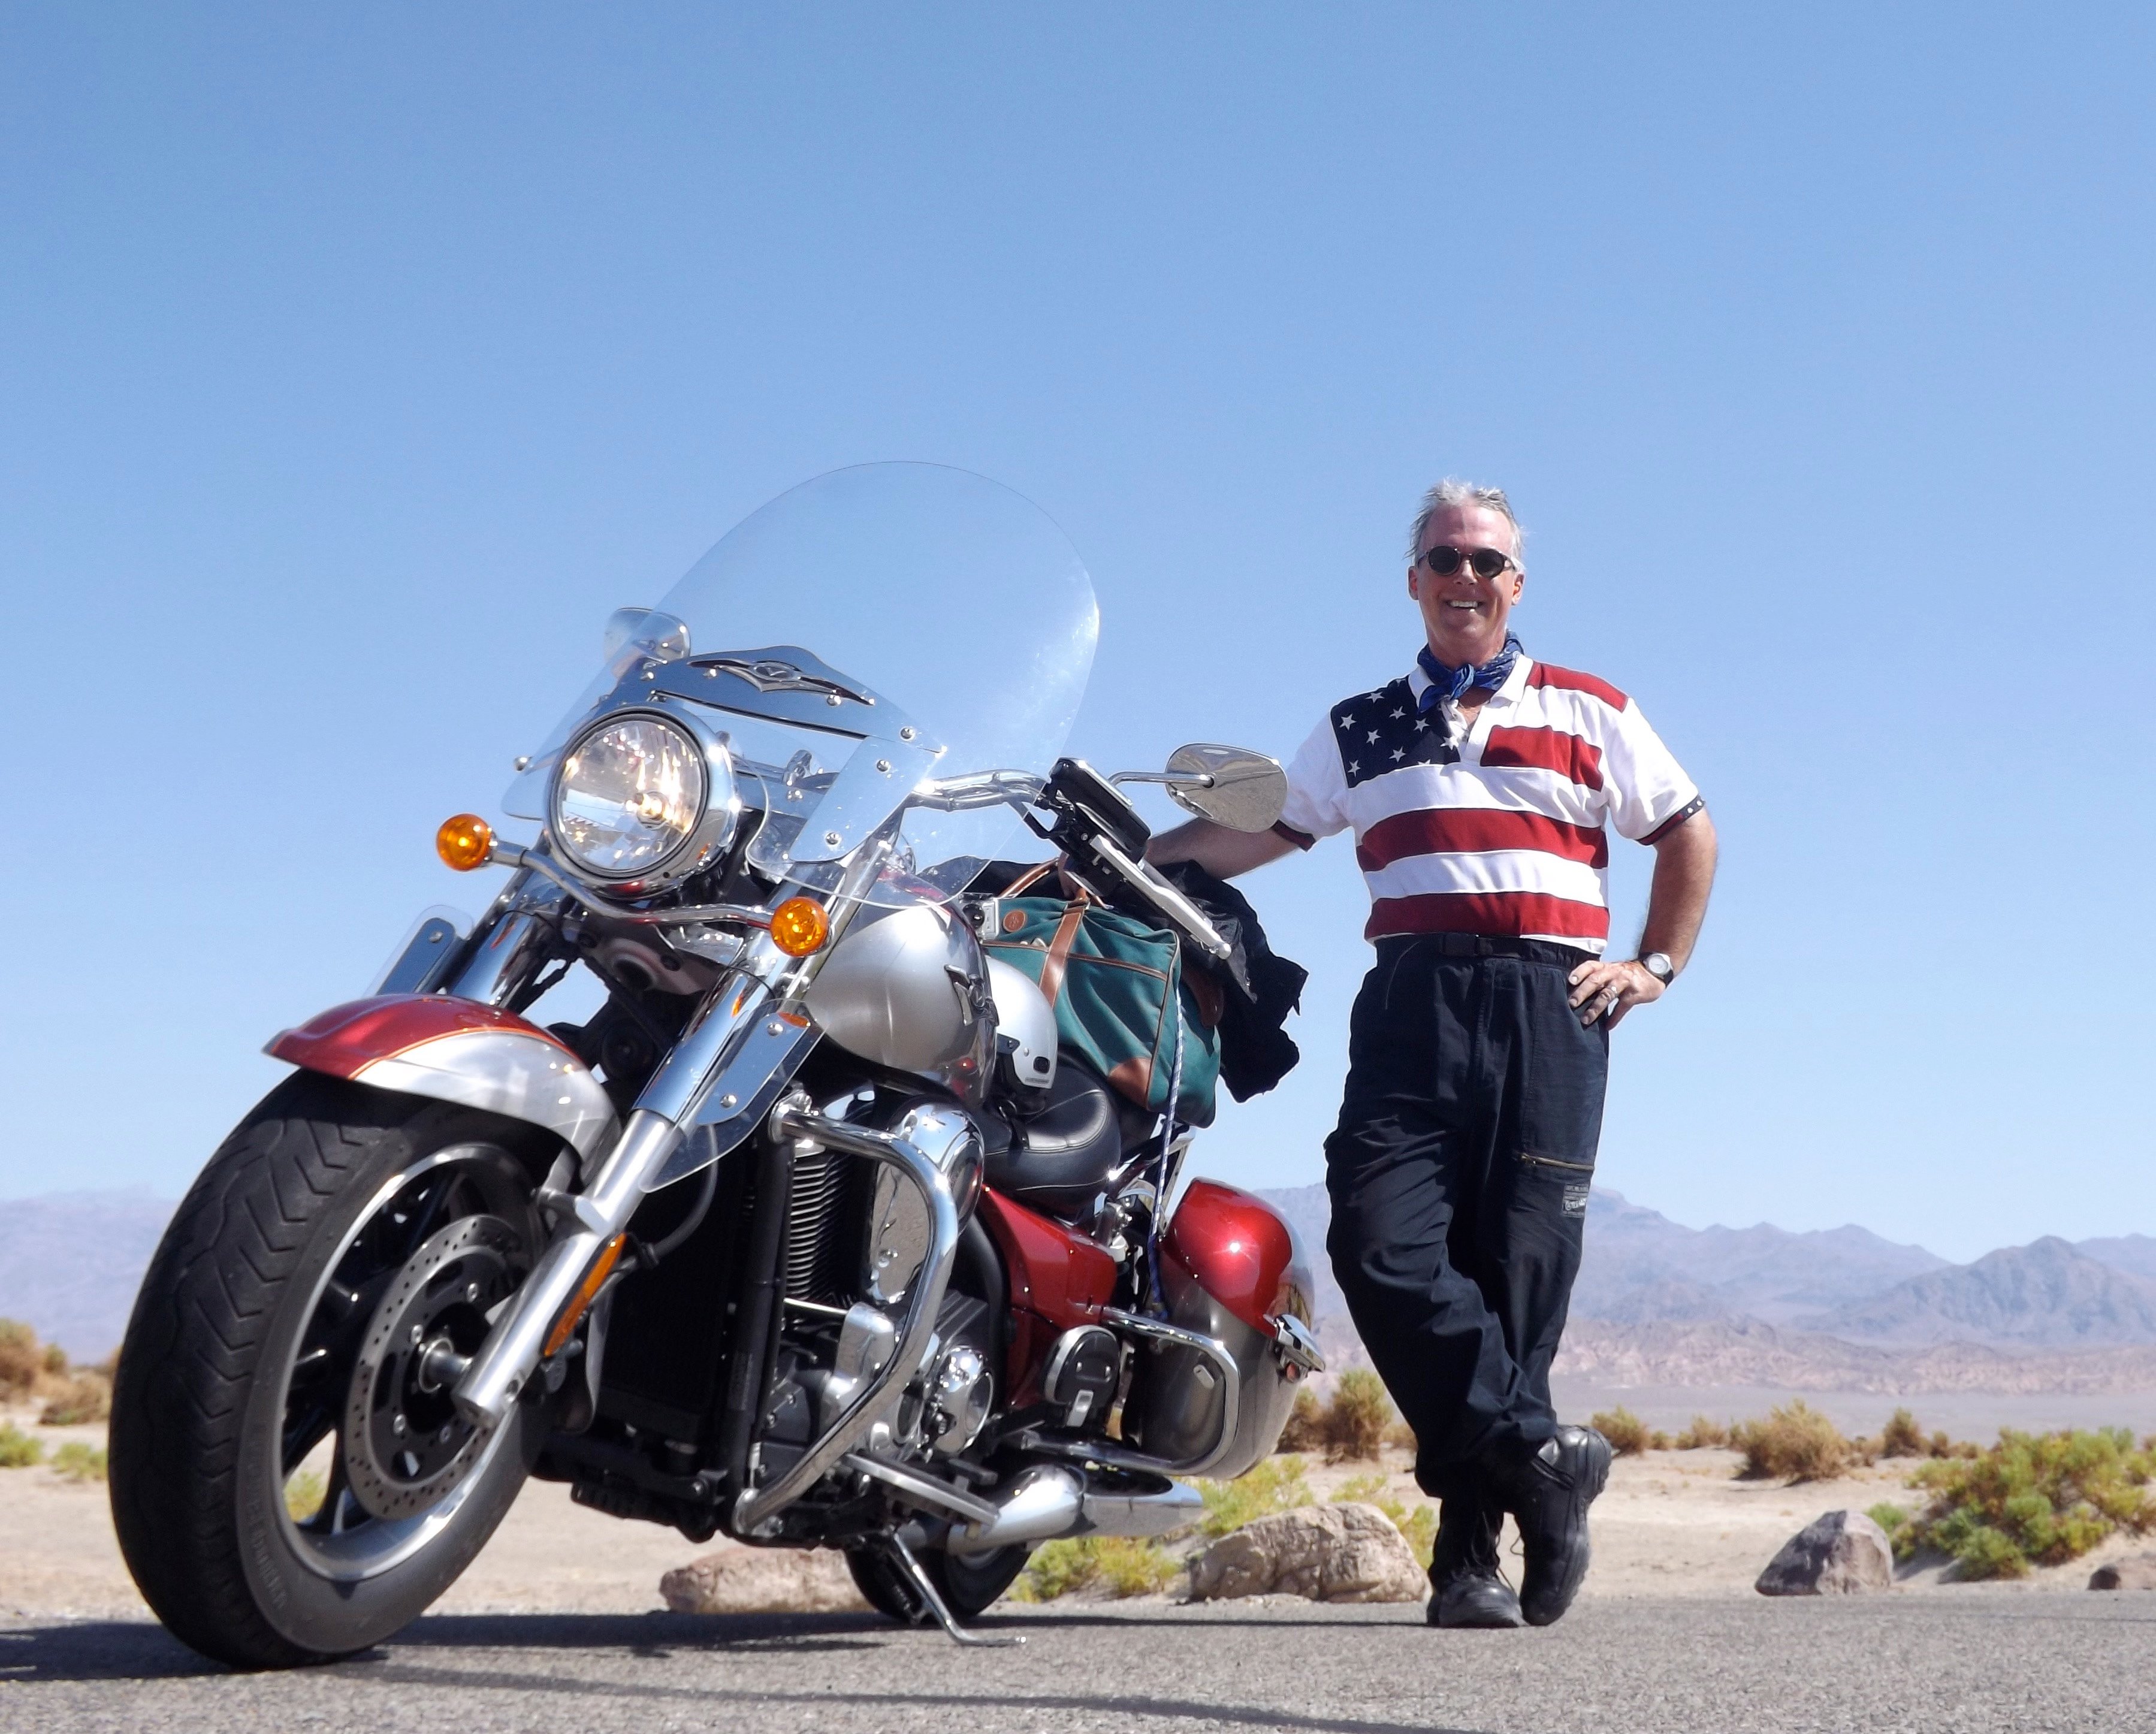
(1657, 964)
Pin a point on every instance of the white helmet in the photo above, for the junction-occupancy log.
(1025, 1026)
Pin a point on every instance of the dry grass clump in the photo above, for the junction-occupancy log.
(1626, 1432)
(75, 1395)
(1122, 1566)
(1795, 1443)
(17, 1450)
(2032, 1499)
(1702, 1435)
(1276, 1485)
(1902, 1437)
(1354, 1427)
(1418, 1526)
(79, 1462)
(20, 1361)
(1357, 1418)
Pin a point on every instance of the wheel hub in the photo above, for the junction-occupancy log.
(405, 1447)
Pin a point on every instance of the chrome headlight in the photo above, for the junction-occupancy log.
(632, 793)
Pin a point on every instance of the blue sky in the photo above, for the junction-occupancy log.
(352, 367)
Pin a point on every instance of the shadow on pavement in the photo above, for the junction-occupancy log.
(97, 1650)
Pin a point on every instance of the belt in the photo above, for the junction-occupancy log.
(1482, 944)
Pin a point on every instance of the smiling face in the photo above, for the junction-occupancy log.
(1463, 615)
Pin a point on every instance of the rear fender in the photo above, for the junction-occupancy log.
(457, 1051)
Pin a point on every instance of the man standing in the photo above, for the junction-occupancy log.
(1481, 787)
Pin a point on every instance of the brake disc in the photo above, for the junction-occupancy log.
(406, 1446)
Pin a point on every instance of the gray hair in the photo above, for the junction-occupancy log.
(1453, 492)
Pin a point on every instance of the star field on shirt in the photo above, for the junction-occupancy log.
(1382, 731)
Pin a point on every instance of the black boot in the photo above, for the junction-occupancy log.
(1467, 1590)
(1548, 1494)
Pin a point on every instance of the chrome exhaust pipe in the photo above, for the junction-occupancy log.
(1049, 1501)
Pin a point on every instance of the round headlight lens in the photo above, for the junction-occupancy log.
(629, 794)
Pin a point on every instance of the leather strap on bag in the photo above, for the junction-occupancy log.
(1058, 952)
(1031, 877)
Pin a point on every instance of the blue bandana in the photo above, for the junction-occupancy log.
(1455, 683)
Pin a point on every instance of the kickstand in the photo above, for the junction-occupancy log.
(927, 1591)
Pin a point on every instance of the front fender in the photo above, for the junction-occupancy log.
(457, 1051)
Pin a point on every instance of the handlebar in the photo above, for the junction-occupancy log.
(1165, 898)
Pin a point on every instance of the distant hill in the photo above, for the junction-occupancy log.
(2134, 1254)
(1640, 1266)
(2046, 1295)
(70, 1263)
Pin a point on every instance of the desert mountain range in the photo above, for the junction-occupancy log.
(1840, 1309)
(1836, 1309)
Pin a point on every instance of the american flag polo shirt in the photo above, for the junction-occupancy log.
(1503, 832)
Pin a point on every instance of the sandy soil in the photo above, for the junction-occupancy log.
(1672, 1523)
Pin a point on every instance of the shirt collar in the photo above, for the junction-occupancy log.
(1516, 683)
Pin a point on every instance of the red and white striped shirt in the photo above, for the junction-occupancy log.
(1502, 832)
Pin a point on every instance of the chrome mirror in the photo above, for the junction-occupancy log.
(1231, 786)
(660, 636)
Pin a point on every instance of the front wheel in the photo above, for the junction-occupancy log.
(290, 1482)
(968, 1583)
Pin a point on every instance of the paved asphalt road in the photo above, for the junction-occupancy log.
(1968, 1663)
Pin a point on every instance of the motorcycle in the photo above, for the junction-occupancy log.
(823, 1230)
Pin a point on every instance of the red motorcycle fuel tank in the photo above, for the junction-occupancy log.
(1238, 1250)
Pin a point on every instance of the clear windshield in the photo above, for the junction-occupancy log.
(955, 607)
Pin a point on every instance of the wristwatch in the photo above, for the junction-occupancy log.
(1657, 964)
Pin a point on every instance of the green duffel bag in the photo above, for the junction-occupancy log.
(1121, 1000)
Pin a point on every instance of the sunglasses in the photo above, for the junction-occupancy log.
(1445, 560)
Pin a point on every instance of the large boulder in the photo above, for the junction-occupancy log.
(2137, 1571)
(1326, 1553)
(735, 1579)
(1841, 1553)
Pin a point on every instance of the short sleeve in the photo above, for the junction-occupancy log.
(1317, 786)
(1643, 783)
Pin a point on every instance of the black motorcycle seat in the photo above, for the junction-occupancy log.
(1061, 1157)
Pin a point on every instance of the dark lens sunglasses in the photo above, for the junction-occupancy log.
(1445, 560)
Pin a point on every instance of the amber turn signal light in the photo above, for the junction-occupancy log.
(587, 1292)
(800, 926)
(465, 842)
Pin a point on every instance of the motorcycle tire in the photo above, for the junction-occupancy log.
(291, 1234)
(967, 1585)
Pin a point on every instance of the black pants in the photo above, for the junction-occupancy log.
(1459, 1176)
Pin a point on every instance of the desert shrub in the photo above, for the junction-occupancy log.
(17, 1450)
(1888, 1517)
(56, 1360)
(1306, 1425)
(1418, 1526)
(1940, 1445)
(1902, 1437)
(20, 1362)
(1626, 1432)
(2042, 1499)
(1121, 1565)
(1702, 1435)
(1796, 1443)
(80, 1462)
(1356, 1419)
(84, 1397)
(303, 1494)
(1276, 1485)
(1402, 1435)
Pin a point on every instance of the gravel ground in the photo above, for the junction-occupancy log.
(1911, 1661)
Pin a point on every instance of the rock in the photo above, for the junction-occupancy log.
(2137, 1571)
(735, 1579)
(1323, 1553)
(1841, 1553)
